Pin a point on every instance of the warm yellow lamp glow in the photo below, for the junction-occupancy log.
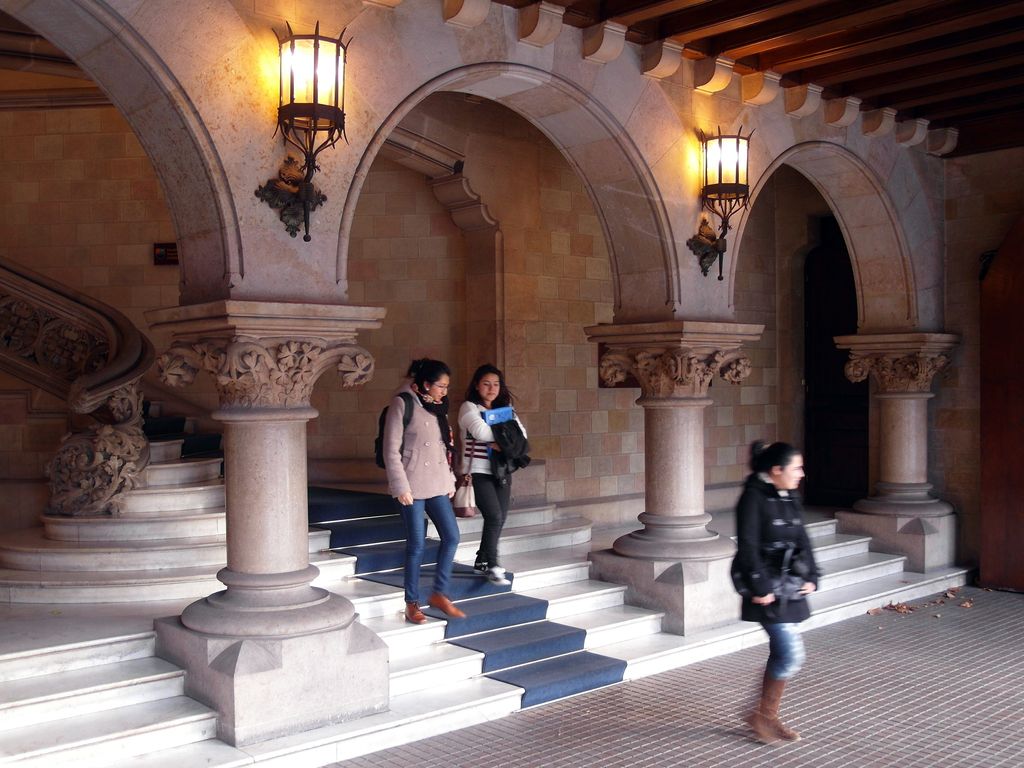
(297, 68)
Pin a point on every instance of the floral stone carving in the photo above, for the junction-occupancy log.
(93, 469)
(252, 374)
(897, 373)
(680, 372)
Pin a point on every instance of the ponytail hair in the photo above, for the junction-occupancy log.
(425, 372)
(764, 457)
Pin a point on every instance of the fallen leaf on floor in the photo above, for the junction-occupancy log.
(901, 608)
(967, 604)
(952, 592)
(874, 612)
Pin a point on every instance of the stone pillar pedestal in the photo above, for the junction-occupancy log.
(674, 564)
(272, 653)
(902, 515)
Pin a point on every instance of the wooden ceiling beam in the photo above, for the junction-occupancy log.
(1006, 57)
(987, 134)
(728, 15)
(920, 54)
(951, 89)
(959, 19)
(630, 12)
(977, 106)
(814, 22)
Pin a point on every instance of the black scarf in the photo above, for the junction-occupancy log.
(440, 411)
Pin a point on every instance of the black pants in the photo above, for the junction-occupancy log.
(492, 500)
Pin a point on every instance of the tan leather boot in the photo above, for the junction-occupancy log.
(413, 614)
(771, 696)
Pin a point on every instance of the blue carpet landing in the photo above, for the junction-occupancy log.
(562, 676)
(513, 646)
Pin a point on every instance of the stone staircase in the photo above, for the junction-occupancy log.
(96, 717)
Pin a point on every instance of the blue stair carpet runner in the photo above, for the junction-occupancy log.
(544, 658)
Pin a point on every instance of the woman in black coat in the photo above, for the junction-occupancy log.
(771, 539)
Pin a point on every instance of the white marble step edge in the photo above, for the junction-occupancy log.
(181, 524)
(92, 689)
(153, 501)
(163, 474)
(435, 666)
(517, 518)
(205, 754)
(838, 545)
(820, 528)
(101, 739)
(139, 586)
(411, 717)
(844, 571)
(662, 652)
(578, 597)
(28, 550)
(165, 450)
(565, 532)
(33, 662)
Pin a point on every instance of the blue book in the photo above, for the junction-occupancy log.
(498, 415)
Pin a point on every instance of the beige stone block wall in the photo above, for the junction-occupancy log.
(81, 204)
(984, 199)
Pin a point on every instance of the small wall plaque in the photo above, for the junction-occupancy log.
(165, 253)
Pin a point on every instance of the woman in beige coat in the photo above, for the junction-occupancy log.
(416, 458)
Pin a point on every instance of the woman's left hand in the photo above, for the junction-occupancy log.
(807, 588)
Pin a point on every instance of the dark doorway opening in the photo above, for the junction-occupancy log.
(836, 437)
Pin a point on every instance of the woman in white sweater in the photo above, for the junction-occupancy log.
(486, 390)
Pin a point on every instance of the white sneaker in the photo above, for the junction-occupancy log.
(496, 575)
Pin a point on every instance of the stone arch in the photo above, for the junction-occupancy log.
(167, 125)
(625, 194)
(882, 266)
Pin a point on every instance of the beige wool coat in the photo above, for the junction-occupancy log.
(421, 466)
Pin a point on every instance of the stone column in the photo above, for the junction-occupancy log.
(272, 653)
(674, 564)
(902, 515)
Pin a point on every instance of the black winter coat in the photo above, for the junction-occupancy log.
(766, 522)
(514, 453)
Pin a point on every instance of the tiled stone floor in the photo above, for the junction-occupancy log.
(940, 687)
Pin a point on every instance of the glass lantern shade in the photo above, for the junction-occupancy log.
(725, 168)
(312, 95)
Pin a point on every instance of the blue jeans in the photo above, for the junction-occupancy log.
(439, 510)
(785, 650)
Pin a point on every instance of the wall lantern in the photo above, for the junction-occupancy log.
(725, 191)
(311, 117)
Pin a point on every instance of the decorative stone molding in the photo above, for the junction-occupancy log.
(910, 133)
(250, 373)
(662, 58)
(712, 74)
(383, 3)
(421, 154)
(802, 100)
(878, 122)
(673, 359)
(942, 141)
(463, 204)
(540, 23)
(841, 113)
(760, 88)
(897, 362)
(94, 468)
(466, 13)
(603, 42)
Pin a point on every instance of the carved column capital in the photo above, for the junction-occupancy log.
(898, 363)
(678, 358)
(679, 372)
(256, 373)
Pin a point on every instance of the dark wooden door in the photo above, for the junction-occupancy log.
(836, 416)
(1002, 418)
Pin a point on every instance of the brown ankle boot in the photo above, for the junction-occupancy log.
(413, 614)
(771, 696)
(761, 726)
(445, 606)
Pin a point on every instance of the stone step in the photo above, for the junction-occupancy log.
(104, 738)
(208, 754)
(662, 652)
(154, 501)
(839, 545)
(844, 571)
(165, 450)
(161, 475)
(181, 524)
(819, 528)
(614, 624)
(28, 550)
(35, 660)
(92, 689)
(560, 533)
(138, 586)
(432, 666)
(517, 518)
(577, 597)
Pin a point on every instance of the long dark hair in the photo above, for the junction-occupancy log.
(764, 457)
(504, 396)
(425, 372)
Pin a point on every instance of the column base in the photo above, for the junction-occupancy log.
(674, 538)
(927, 541)
(693, 594)
(265, 687)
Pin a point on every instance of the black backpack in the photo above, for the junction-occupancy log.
(378, 444)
